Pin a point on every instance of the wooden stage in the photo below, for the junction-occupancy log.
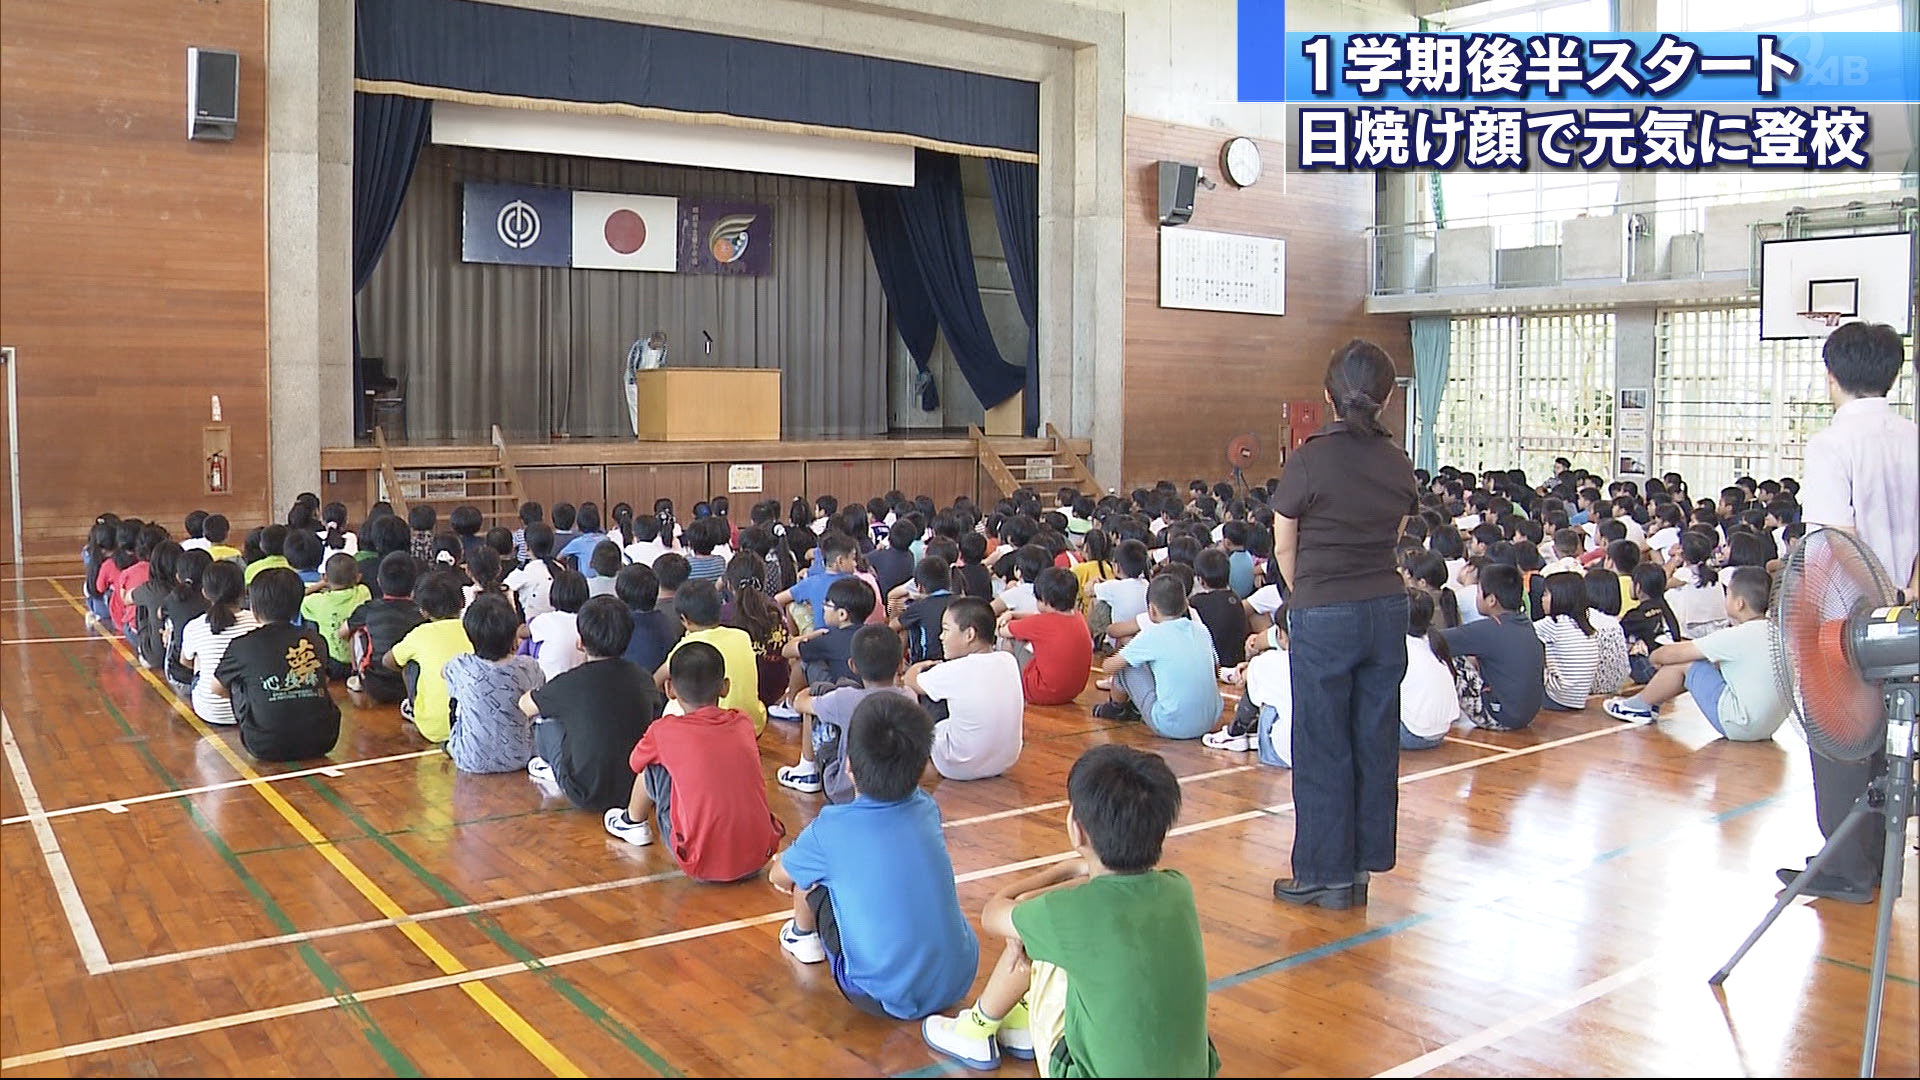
(1562, 895)
(610, 471)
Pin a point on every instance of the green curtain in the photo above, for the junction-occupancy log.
(1432, 353)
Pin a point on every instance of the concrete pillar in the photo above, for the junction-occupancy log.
(309, 237)
(1635, 341)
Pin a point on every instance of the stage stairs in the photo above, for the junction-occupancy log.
(489, 483)
(1045, 473)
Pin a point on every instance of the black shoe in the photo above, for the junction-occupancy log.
(1116, 710)
(1331, 897)
(1827, 887)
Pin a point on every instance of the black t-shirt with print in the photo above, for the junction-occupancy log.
(276, 679)
(602, 707)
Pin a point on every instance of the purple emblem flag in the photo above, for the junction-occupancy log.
(725, 237)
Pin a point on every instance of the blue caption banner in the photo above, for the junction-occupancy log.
(1636, 68)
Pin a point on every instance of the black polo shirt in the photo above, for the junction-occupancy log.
(1349, 492)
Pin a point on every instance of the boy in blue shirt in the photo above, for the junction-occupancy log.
(891, 927)
(1166, 674)
(838, 554)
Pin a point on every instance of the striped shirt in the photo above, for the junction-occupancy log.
(203, 649)
(1572, 659)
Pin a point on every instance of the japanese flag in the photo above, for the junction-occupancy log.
(625, 232)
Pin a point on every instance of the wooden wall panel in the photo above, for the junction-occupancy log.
(133, 276)
(641, 484)
(779, 480)
(1194, 379)
(844, 480)
(550, 484)
(942, 479)
(354, 487)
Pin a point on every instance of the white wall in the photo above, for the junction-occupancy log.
(1183, 60)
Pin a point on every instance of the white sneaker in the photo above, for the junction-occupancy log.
(540, 771)
(353, 683)
(1222, 740)
(939, 1034)
(1016, 1042)
(806, 948)
(804, 777)
(637, 833)
(783, 711)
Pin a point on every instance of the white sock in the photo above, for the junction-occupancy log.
(804, 765)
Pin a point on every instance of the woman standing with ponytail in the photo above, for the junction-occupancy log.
(1338, 511)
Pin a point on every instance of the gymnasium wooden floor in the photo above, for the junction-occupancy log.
(1562, 895)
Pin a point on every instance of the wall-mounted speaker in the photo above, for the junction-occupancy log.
(213, 94)
(1177, 180)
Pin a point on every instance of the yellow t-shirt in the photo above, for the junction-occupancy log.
(743, 670)
(271, 562)
(1091, 573)
(222, 551)
(431, 645)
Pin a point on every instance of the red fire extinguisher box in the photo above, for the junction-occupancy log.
(216, 460)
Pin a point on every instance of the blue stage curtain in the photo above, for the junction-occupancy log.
(1016, 209)
(934, 216)
(523, 52)
(388, 133)
(900, 279)
(1432, 354)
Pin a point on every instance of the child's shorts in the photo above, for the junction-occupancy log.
(827, 925)
(1047, 1015)
(1706, 684)
(1137, 681)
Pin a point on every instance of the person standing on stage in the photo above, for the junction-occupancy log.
(647, 353)
(1339, 509)
(1862, 475)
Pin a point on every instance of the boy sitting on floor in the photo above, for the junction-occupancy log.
(1166, 673)
(1103, 972)
(275, 676)
(871, 880)
(1053, 645)
(700, 778)
(824, 719)
(587, 720)
(978, 687)
(1729, 672)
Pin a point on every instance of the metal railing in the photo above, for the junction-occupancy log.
(1660, 240)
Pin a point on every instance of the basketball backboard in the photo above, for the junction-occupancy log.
(1867, 277)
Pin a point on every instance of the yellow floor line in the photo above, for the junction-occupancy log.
(484, 996)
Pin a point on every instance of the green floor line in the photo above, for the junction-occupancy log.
(589, 1008)
(331, 980)
(413, 830)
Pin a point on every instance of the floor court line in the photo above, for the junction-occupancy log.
(92, 953)
(470, 976)
(490, 1002)
(1474, 742)
(51, 640)
(115, 806)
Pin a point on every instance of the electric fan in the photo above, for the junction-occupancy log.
(1241, 450)
(1849, 662)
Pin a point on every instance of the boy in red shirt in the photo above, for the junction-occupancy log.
(700, 778)
(1054, 646)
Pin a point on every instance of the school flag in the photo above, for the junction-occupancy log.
(515, 223)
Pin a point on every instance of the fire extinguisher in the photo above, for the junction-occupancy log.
(217, 472)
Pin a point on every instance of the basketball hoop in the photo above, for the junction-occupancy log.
(1829, 319)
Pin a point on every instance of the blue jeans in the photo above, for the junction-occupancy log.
(1347, 661)
(1410, 741)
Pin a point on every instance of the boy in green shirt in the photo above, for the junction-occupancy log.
(329, 607)
(1103, 972)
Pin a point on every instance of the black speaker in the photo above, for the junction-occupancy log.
(213, 94)
(1177, 181)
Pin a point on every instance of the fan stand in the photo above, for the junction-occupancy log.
(1889, 797)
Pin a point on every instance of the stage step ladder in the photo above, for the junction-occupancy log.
(490, 484)
(1044, 473)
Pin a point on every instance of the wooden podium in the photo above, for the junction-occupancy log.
(708, 404)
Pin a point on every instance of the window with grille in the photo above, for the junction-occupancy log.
(1727, 404)
(1525, 389)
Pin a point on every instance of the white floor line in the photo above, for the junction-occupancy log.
(35, 605)
(92, 953)
(52, 640)
(618, 948)
(1056, 804)
(119, 806)
(1513, 1025)
(382, 924)
(1481, 745)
